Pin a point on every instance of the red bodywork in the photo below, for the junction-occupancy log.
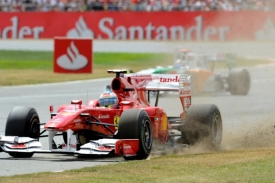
(131, 93)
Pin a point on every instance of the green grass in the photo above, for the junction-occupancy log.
(28, 67)
(44, 60)
(250, 165)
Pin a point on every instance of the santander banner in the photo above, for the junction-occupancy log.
(189, 26)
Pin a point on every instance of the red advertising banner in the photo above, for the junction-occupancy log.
(72, 55)
(189, 26)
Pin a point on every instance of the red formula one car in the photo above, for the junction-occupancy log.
(127, 128)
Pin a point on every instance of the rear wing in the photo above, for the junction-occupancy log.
(228, 58)
(158, 82)
(180, 83)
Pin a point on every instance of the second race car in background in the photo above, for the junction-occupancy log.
(201, 69)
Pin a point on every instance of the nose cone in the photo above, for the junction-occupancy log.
(62, 121)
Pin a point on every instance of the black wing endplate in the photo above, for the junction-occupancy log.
(118, 72)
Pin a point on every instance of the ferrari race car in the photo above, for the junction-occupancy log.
(128, 128)
(201, 69)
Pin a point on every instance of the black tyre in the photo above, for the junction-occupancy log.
(23, 122)
(239, 82)
(213, 84)
(203, 126)
(136, 124)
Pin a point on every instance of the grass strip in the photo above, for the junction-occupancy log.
(250, 165)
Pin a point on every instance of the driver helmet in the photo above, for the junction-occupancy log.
(177, 64)
(107, 99)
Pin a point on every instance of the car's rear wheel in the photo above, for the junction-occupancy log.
(23, 121)
(203, 126)
(136, 124)
(239, 82)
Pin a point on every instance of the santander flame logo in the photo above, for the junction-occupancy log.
(72, 60)
(81, 30)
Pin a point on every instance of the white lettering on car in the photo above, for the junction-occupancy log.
(103, 116)
(77, 120)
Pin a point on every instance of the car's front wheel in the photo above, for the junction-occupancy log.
(136, 124)
(23, 121)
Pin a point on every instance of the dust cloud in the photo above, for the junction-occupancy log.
(248, 120)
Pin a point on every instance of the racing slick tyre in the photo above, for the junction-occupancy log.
(203, 126)
(23, 122)
(239, 82)
(136, 124)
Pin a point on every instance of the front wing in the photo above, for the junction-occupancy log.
(120, 147)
